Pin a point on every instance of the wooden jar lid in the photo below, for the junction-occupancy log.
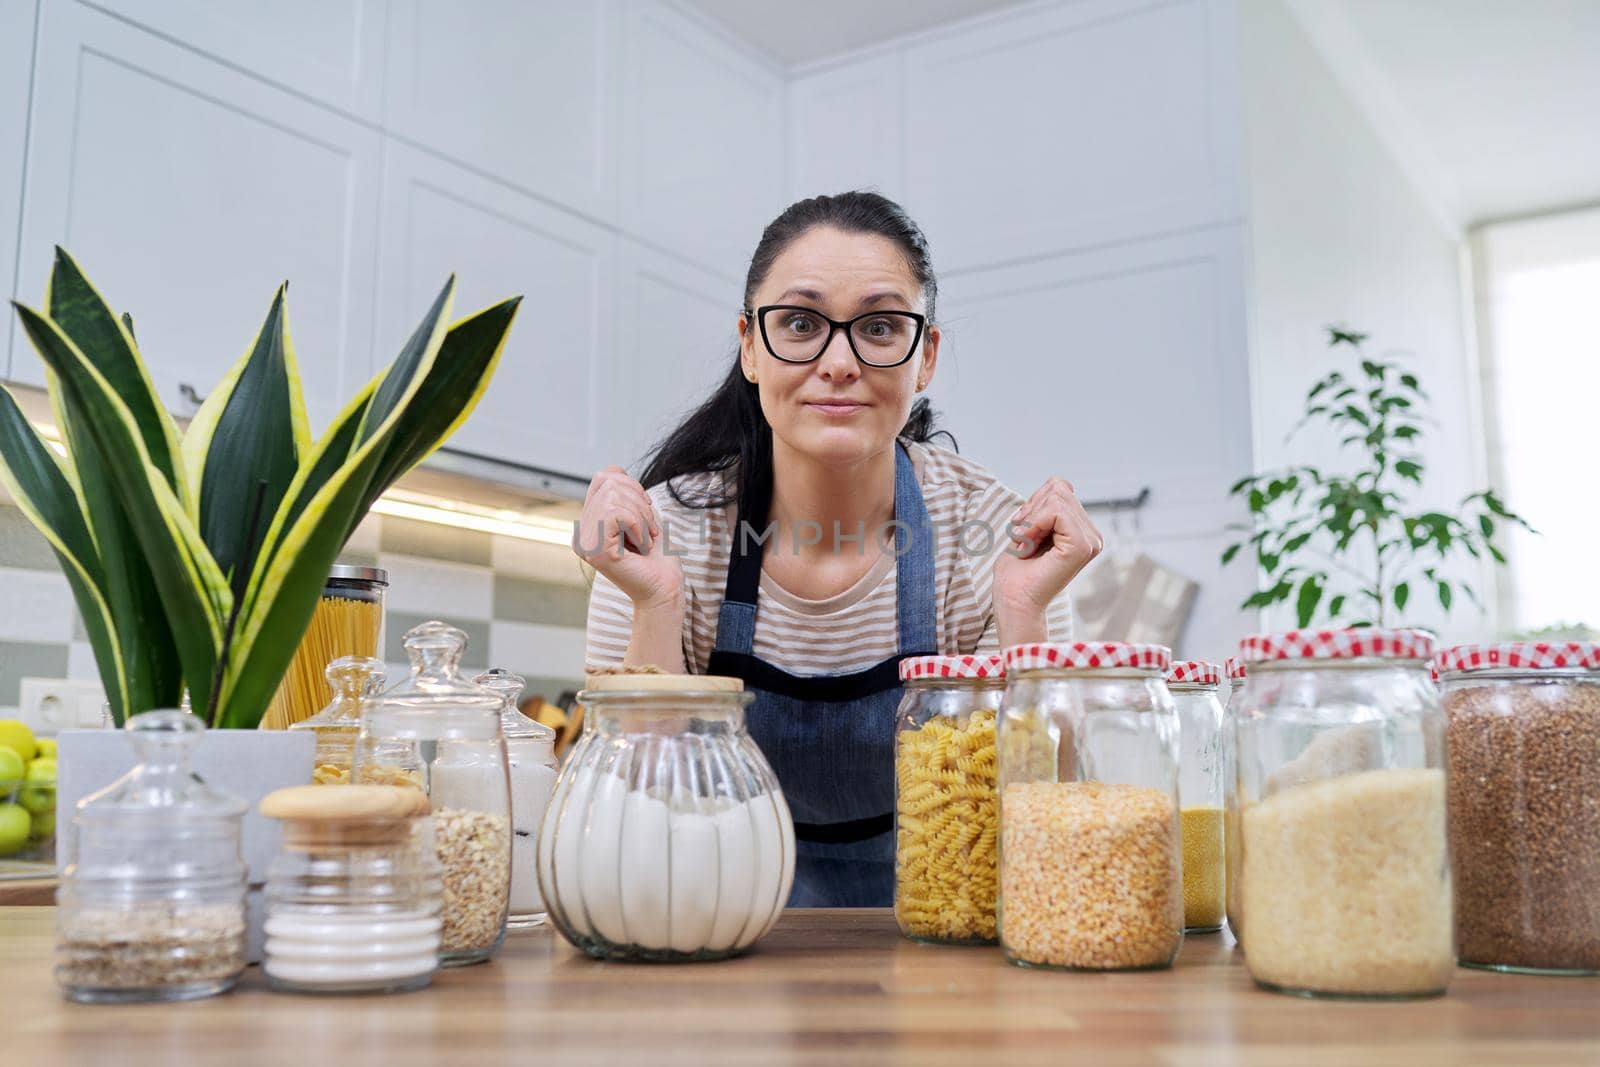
(662, 683)
(345, 803)
(340, 816)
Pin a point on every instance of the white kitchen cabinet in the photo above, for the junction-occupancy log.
(702, 154)
(554, 401)
(329, 50)
(676, 333)
(16, 75)
(521, 89)
(1069, 126)
(188, 191)
(846, 127)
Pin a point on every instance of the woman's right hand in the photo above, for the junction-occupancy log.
(619, 535)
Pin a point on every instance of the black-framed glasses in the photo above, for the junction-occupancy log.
(798, 334)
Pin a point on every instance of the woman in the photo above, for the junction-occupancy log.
(800, 532)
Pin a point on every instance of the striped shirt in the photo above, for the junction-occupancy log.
(970, 511)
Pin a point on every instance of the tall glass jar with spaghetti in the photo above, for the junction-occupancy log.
(1090, 855)
(353, 679)
(1230, 797)
(1193, 684)
(947, 812)
(1344, 865)
(348, 621)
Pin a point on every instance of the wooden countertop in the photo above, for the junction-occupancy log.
(837, 987)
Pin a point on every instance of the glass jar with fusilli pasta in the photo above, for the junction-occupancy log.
(947, 817)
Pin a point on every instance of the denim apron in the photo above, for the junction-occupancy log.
(830, 738)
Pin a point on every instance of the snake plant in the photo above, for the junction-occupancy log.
(197, 558)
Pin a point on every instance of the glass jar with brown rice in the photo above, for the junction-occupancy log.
(1523, 735)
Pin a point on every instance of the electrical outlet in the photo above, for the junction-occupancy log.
(50, 705)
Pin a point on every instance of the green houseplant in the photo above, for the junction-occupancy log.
(196, 560)
(1351, 548)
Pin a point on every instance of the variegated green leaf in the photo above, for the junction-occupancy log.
(193, 592)
(36, 479)
(452, 389)
(75, 306)
(152, 674)
(313, 523)
(250, 430)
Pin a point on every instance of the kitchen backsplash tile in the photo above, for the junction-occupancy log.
(20, 544)
(522, 599)
(34, 659)
(407, 537)
(397, 623)
(522, 603)
(36, 605)
(436, 587)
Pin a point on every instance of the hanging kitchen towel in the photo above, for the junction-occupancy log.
(1152, 605)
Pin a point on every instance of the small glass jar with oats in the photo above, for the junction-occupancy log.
(438, 732)
(1090, 856)
(151, 904)
(352, 679)
(947, 812)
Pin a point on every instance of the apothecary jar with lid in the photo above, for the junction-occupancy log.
(667, 837)
(151, 903)
(438, 732)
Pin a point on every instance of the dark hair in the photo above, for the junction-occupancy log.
(729, 430)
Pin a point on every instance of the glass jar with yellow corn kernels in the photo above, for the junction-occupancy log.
(947, 818)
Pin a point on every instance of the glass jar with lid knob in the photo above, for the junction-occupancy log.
(151, 903)
(353, 895)
(1344, 865)
(352, 679)
(531, 760)
(668, 838)
(437, 731)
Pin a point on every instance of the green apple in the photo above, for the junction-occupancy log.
(15, 825)
(12, 767)
(47, 748)
(39, 794)
(15, 735)
(44, 825)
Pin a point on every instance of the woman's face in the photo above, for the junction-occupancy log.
(836, 409)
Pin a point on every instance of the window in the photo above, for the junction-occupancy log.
(1538, 284)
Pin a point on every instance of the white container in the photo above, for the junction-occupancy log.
(531, 764)
(668, 838)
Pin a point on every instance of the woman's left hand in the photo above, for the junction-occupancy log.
(1052, 540)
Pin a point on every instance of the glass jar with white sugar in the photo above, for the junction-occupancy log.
(668, 838)
(531, 763)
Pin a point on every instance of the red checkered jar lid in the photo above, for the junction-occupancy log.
(1088, 656)
(1362, 643)
(1194, 672)
(1235, 668)
(1520, 655)
(955, 667)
